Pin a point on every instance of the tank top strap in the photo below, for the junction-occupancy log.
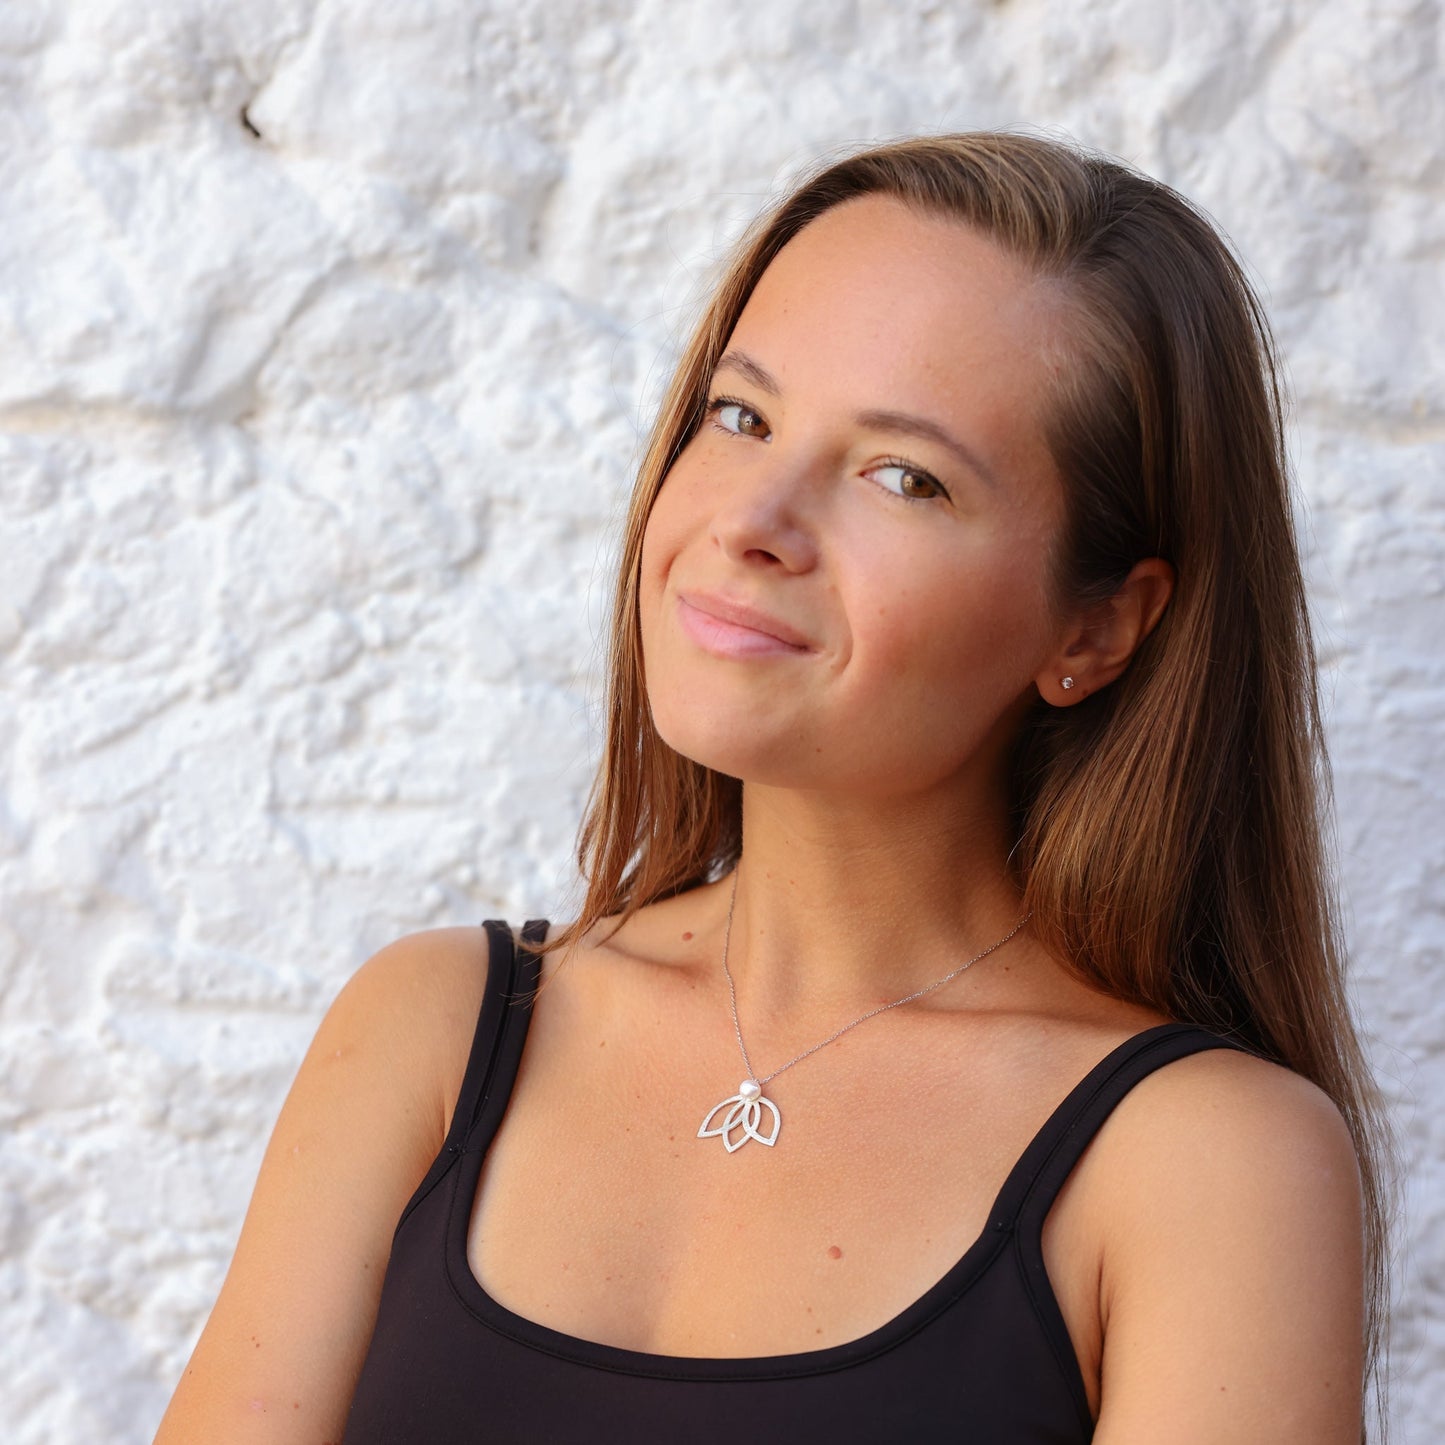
(1030, 1190)
(512, 977)
(511, 981)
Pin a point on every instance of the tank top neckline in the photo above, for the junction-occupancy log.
(1010, 1222)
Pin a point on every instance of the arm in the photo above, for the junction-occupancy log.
(280, 1354)
(1233, 1301)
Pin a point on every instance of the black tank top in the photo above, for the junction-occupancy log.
(983, 1356)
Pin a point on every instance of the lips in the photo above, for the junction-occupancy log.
(734, 626)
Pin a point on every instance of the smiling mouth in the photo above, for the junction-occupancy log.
(731, 636)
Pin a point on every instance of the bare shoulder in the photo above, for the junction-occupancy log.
(364, 1119)
(427, 969)
(1227, 1196)
(1232, 1123)
(414, 1004)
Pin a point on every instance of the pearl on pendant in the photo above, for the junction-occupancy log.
(749, 1089)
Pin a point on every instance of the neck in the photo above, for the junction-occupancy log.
(844, 904)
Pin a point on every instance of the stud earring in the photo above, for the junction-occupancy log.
(1067, 683)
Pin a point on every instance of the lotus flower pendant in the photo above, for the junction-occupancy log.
(742, 1114)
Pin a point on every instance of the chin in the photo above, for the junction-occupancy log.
(723, 749)
(753, 754)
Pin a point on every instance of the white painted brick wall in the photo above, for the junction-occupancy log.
(310, 441)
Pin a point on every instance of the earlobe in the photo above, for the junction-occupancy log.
(1062, 691)
(1101, 643)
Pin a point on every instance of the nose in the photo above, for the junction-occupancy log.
(764, 519)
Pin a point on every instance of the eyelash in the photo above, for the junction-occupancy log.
(941, 492)
(719, 402)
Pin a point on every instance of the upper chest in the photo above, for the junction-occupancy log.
(601, 1214)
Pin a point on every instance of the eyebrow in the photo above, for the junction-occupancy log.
(760, 376)
(902, 422)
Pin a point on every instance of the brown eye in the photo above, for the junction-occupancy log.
(741, 420)
(907, 482)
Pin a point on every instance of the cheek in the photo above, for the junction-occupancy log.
(669, 523)
(967, 632)
(663, 540)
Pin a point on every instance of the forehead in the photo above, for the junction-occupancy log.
(883, 305)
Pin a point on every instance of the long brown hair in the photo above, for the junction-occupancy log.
(1170, 829)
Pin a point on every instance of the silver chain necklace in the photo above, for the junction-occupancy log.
(743, 1112)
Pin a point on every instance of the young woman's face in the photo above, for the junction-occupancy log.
(845, 576)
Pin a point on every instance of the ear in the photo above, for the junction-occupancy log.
(1099, 642)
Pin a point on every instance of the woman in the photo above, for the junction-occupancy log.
(959, 801)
